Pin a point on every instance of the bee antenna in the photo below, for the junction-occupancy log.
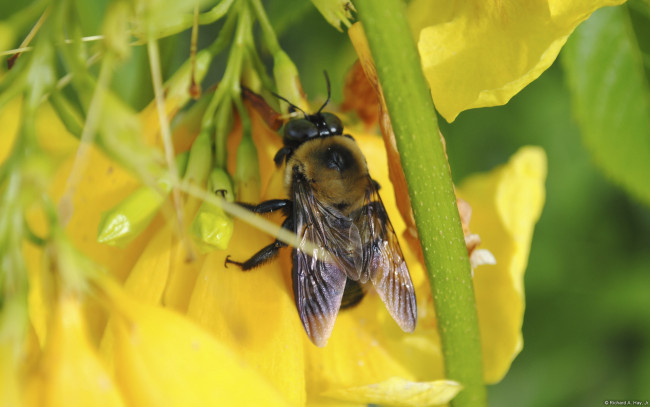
(329, 93)
(291, 105)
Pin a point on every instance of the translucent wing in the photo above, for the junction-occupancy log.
(319, 274)
(383, 261)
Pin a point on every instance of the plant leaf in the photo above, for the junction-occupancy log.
(611, 94)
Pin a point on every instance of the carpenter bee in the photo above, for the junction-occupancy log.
(334, 204)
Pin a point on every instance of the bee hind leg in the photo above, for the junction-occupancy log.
(266, 254)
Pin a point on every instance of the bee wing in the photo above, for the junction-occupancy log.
(384, 262)
(319, 275)
(318, 288)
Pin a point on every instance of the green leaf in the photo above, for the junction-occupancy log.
(609, 83)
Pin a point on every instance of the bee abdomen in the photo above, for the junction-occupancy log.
(352, 295)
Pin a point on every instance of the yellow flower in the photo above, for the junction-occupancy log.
(506, 204)
(149, 354)
(70, 372)
(481, 53)
(183, 328)
(161, 358)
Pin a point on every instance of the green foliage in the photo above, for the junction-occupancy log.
(607, 67)
(586, 336)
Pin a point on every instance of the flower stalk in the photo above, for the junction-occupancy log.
(430, 186)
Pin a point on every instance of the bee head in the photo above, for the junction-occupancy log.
(315, 125)
(320, 124)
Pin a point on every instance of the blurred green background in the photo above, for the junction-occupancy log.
(587, 323)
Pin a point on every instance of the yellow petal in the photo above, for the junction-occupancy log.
(11, 392)
(185, 269)
(102, 185)
(353, 357)
(185, 265)
(39, 296)
(9, 116)
(19, 350)
(253, 312)
(71, 374)
(160, 272)
(148, 278)
(51, 133)
(478, 53)
(163, 359)
(506, 203)
(399, 392)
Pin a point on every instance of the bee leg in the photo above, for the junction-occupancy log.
(266, 254)
(281, 155)
(269, 206)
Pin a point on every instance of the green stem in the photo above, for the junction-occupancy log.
(186, 21)
(215, 13)
(432, 195)
(229, 88)
(268, 34)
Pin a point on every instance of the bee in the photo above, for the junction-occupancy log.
(334, 205)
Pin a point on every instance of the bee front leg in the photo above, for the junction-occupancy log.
(269, 206)
(265, 255)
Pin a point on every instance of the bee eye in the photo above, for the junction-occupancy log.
(300, 129)
(333, 123)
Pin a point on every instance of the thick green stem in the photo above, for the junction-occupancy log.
(430, 186)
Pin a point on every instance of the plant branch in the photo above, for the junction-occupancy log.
(430, 186)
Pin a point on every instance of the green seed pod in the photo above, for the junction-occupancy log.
(288, 82)
(120, 225)
(176, 87)
(223, 125)
(219, 182)
(212, 228)
(247, 172)
(200, 159)
(69, 115)
(124, 222)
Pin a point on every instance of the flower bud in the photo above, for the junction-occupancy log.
(212, 228)
(288, 82)
(123, 223)
(336, 12)
(200, 159)
(247, 172)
